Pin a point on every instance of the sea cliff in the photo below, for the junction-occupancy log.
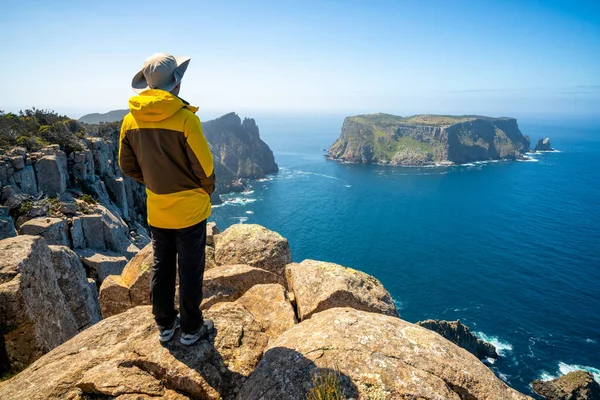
(423, 140)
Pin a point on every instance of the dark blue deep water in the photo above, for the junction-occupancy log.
(512, 249)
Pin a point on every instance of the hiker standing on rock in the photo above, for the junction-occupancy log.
(162, 146)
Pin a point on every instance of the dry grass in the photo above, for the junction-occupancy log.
(327, 386)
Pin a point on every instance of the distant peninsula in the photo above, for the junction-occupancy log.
(423, 140)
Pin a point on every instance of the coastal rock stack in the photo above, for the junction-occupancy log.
(282, 329)
(543, 145)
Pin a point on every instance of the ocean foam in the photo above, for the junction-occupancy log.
(564, 368)
(502, 347)
(241, 220)
(249, 212)
(528, 159)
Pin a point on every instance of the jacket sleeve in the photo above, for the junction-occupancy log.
(198, 152)
(127, 159)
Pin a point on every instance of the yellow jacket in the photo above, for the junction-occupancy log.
(163, 147)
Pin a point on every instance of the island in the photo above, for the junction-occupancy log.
(428, 139)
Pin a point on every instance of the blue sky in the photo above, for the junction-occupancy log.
(498, 57)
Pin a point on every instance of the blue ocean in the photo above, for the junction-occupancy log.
(512, 249)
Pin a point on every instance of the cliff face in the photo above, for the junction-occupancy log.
(237, 146)
(427, 139)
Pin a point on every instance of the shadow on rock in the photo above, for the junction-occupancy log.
(284, 373)
(206, 360)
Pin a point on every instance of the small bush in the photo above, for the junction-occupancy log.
(89, 199)
(327, 386)
(25, 207)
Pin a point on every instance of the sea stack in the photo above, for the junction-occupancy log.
(543, 145)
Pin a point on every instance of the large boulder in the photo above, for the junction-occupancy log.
(318, 286)
(7, 226)
(121, 357)
(101, 264)
(270, 305)
(240, 337)
(51, 176)
(104, 229)
(253, 245)
(25, 179)
(460, 335)
(35, 317)
(229, 282)
(576, 385)
(378, 357)
(81, 297)
(54, 230)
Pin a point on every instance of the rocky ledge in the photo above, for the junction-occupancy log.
(576, 385)
(460, 334)
(283, 330)
(423, 140)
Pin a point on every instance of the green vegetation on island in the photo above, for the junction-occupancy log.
(428, 139)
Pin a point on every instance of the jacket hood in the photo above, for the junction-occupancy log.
(156, 105)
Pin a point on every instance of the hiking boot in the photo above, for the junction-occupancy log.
(204, 332)
(164, 335)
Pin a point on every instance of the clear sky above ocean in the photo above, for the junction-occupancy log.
(438, 56)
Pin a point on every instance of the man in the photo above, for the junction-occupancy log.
(162, 146)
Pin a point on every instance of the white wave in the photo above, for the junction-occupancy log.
(235, 201)
(240, 201)
(590, 341)
(247, 192)
(249, 212)
(267, 179)
(348, 185)
(566, 368)
(528, 159)
(502, 347)
(240, 219)
(502, 376)
(490, 360)
(398, 303)
(468, 165)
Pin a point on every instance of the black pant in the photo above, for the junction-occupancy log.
(185, 247)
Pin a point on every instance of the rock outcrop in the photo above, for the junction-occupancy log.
(42, 304)
(543, 145)
(427, 140)
(318, 286)
(460, 335)
(576, 385)
(275, 335)
(378, 357)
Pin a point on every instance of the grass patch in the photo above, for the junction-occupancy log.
(89, 199)
(7, 376)
(327, 386)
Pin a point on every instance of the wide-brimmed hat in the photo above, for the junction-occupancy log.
(160, 71)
